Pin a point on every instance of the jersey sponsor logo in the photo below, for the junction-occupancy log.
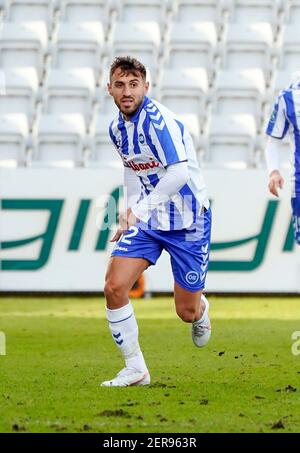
(192, 277)
(145, 166)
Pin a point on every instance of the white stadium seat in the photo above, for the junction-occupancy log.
(192, 122)
(23, 44)
(79, 45)
(198, 10)
(59, 140)
(247, 11)
(249, 45)
(191, 44)
(231, 140)
(85, 10)
(184, 90)
(290, 48)
(106, 103)
(103, 150)
(240, 92)
(206, 57)
(142, 10)
(30, 10)
(282, 79)
(13, 139)
(292, 11)
(70, 91)
(141, 40)
(21, 89)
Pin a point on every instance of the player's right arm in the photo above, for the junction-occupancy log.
(132, 191)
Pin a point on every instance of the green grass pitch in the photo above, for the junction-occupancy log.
(58, 350)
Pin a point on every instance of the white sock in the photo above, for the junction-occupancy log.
(124, 330)
(205, 310)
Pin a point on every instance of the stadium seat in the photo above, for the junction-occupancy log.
(231, 141)
(191, 45)
(79, 45)
(142, 10)
(23, 44)
(59, 140)
(198, 11)
(290, 48)
(13, 139)
(30, 10)
(249, 45)
(103, 151)
(192, 123)
(184, 90)
(141, 40)
(292, 11)
(240, 92)
(21, 90)
(70, 91)
(247, 11)
(282, 79)
(85, 10)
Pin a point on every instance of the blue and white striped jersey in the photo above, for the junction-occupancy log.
(151, 140)
(286, 117)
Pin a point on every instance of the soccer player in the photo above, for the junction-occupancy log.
(167, 209)
(285, 117)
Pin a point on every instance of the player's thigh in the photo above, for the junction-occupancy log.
(123, 272)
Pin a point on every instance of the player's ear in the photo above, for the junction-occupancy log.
(109, 88)
(146, 86)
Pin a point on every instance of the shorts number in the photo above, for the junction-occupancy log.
(125, 237)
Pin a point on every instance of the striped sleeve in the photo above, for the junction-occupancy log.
(167, 137)
(278, 124)
(112, 136)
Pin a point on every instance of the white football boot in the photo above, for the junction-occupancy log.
(201, 330)
(127, 377)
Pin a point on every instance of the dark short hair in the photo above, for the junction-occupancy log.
(128, 65)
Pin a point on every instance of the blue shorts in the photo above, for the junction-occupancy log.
(296, 217)
(188, 248)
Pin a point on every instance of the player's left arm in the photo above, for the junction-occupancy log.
(174, 179)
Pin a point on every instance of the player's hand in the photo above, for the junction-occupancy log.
(117, 235)
(276, 182)
(126, 220)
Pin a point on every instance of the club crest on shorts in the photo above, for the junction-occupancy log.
(192, 277)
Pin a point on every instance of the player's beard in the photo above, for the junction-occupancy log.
(132, 108)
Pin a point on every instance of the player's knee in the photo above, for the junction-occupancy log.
(187, 315)
(114, 291)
